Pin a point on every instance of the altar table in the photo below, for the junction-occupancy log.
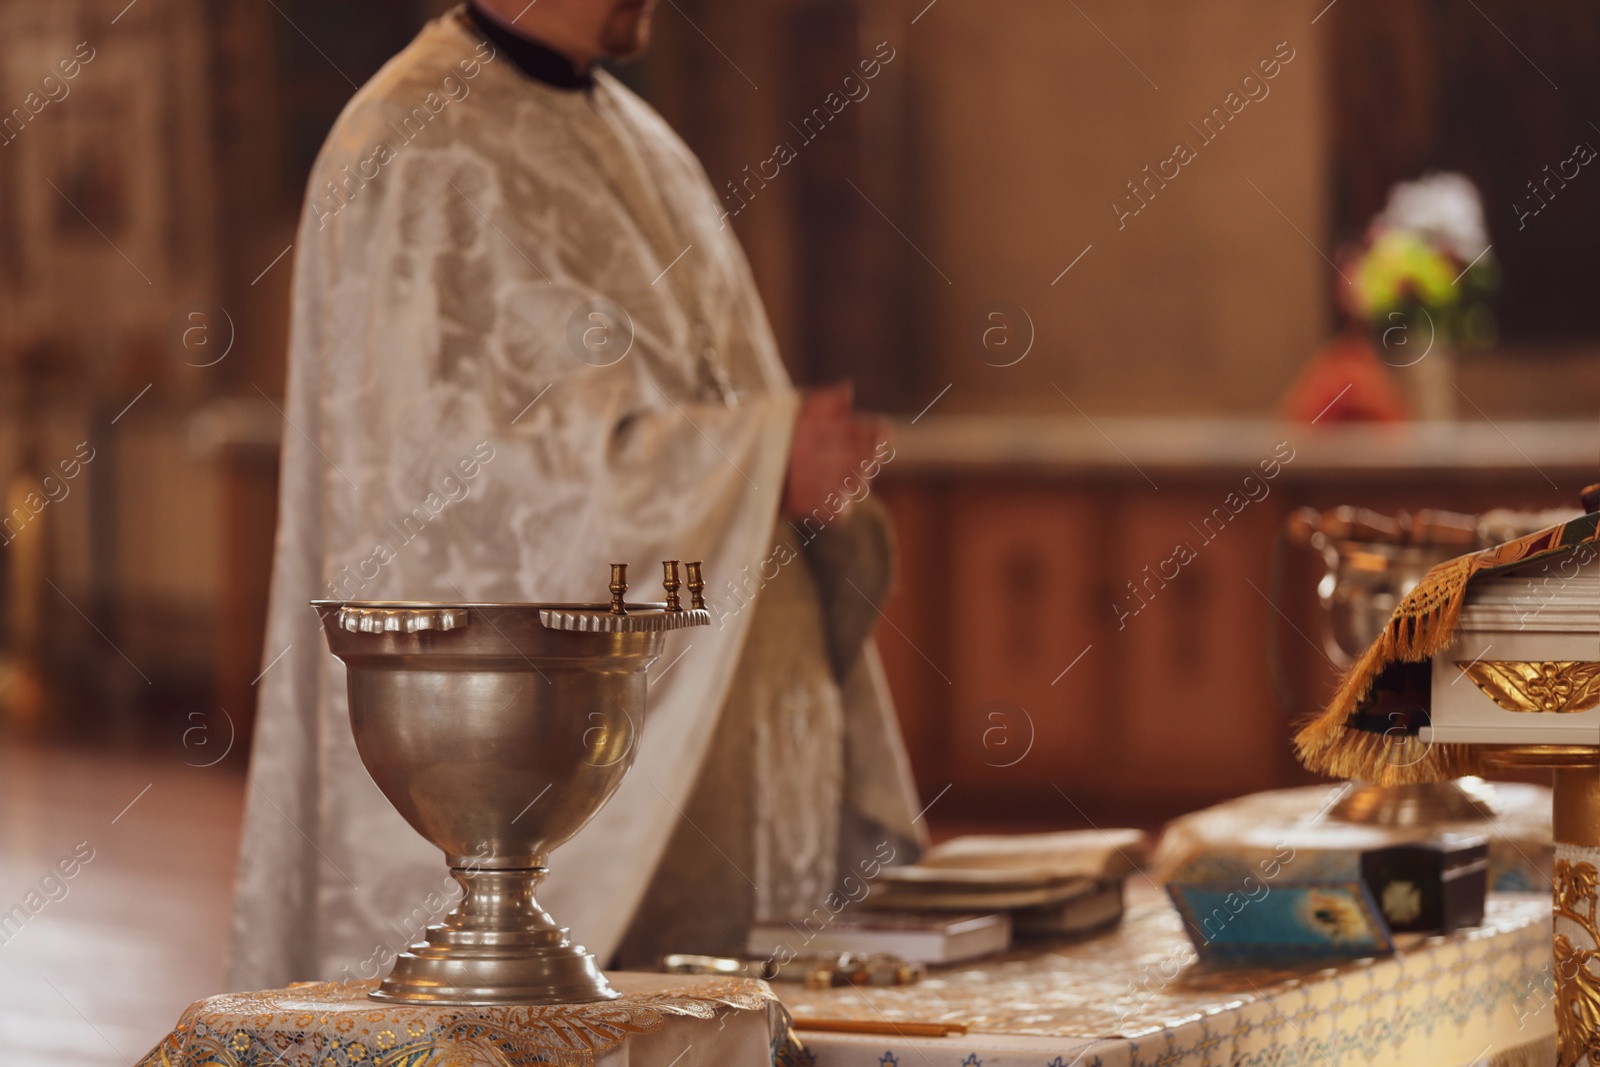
(660, 1021)
(1137, 997)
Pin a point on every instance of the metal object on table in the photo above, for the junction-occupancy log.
(1371, 561)
(1424, 804)
(671, 583)
(497, 731)
(619, 588)
(849, 968)
(697, 586)
(817, 970)
(726, 966)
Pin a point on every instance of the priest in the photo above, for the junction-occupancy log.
(525, 344)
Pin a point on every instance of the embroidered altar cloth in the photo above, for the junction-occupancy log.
(1136, 997)
(660, 1019)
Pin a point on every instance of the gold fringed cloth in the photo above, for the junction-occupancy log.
(1369, 730)
(706, 1021)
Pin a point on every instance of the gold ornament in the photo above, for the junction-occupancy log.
(1561, 687)
(1577, 982)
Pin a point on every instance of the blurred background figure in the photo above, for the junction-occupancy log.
(1085, 299)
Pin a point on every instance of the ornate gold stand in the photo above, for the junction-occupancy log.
(1576, 822)
(1421, 804)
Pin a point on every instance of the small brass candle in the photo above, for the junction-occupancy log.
(697, 587)
(670, 582)
(619, 586)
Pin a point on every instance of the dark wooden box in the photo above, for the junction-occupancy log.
(1431, 886)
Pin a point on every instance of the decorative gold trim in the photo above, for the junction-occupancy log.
(1557, 756)
(1560, 687)
(1577, 988)
(641, 618)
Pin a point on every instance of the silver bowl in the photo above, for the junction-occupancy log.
(1371, 562)
(497, 731)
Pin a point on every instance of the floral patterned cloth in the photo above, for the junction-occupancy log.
(1137, 998)
(335, 1024)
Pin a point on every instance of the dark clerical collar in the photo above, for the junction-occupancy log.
(538, 61)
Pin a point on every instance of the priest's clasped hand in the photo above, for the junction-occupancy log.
(831, 442)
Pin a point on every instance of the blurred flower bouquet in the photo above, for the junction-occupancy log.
(1425, 275)
(1417, 288)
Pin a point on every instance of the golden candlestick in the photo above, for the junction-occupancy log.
(670, 582)
(697, 587)
(619, 586)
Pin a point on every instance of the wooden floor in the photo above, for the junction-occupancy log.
(95, 976)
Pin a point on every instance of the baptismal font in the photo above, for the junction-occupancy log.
(497, 730)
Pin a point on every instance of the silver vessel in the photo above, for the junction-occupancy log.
(498, 731)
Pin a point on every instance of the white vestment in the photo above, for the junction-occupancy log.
(453, 435)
